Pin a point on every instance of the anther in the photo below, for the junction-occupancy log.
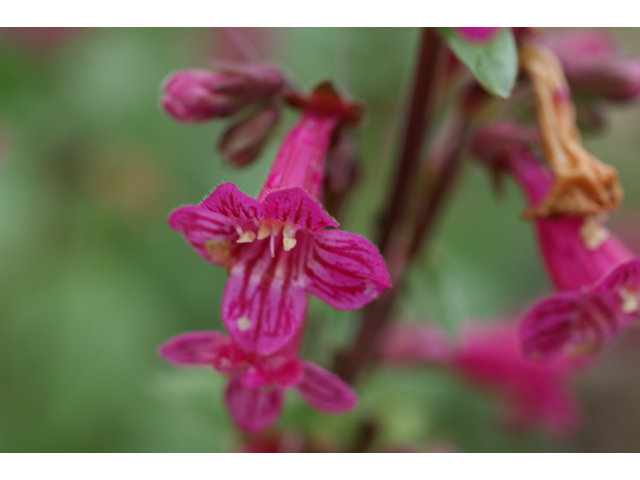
(288, 237)
(593, 234)
(246, 237)
(629, 299)
(264, 231)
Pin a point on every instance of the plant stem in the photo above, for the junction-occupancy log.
(437, 196)
(415, 125)
(377, 314)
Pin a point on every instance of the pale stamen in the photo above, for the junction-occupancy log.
(264, 231)
(288, 237)
(593, 234)
(629, 299)
(247, 237)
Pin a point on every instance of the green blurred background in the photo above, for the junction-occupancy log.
(92, 279)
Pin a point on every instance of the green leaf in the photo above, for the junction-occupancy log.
(494, 63)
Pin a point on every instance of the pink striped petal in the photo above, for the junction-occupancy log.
(253, 409)
(295, 206)
(264, 299)
(549, 326)
(227, 200)
(225, 356)
(624, 276)
(325, 391)
(209, 234)
(345, 270)
(186, 348)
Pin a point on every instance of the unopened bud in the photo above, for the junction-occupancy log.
(477, 34)
(199, 95)
(593, 64)
(241, 143)
(612, 78)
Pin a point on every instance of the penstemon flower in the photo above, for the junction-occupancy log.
(598, 277)
(255, 393)
(489, 357)
(278, 247)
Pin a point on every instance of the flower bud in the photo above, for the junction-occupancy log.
(593, 64)
(477, 34)
(241, 143)
(199, 95)
(612, 78)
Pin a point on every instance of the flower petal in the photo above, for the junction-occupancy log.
(185, 349)
(225, 356)
(325, 391)
(345, 270)
(227, 200)
(253, 409)
(623, 276)
(209, 234)
(274, 370)
(295, 206)
(548, 327)
(264, 299)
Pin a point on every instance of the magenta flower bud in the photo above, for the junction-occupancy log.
(613, 78)
(477, 34)
(241, 143)
(199, 95)
(593, 64)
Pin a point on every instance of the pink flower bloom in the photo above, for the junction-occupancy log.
(593, 64)
(200, 95)
(277, 248)
(489, 356)
(255, 392)
(598, 277)
(477, 34)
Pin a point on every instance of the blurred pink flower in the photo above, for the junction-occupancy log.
(593, 64)
(277, 248)
(200, 95)
(488, 355)
(598, 277)
(255, 392)
(477, 34)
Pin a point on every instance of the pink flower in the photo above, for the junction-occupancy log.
(278, 248)
(598, 277)
(477, 34)
(255, 392)
(200, 95)
(489, 356)
(593, 64)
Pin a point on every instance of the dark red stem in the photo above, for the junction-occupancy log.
(415, 125)
(350, 362)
